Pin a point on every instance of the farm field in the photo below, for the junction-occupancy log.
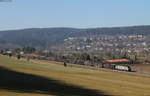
(38, 78)
(144, 68)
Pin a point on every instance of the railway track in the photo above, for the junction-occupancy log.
(104, 69)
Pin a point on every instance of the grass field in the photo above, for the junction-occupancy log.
(38, 78)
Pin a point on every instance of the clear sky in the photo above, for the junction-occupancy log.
(20, 14)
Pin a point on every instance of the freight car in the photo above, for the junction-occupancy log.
(121, 67)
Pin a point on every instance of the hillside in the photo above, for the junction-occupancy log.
(43, 37)
(38, 78)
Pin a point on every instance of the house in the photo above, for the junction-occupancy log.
(109, 63)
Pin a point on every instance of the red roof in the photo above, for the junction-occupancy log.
(117, 60)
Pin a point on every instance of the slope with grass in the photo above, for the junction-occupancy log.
(38, 78)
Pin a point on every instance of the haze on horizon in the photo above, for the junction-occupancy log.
(20, 14)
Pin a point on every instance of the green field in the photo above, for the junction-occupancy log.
(38, 78)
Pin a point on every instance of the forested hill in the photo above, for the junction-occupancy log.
(51, 36)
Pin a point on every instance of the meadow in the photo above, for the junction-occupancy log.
(39, 78)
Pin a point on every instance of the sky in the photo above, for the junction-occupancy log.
(20, 14)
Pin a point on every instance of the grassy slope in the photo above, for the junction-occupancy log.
(112, 83)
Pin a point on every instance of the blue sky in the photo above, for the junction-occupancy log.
(20, 14)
